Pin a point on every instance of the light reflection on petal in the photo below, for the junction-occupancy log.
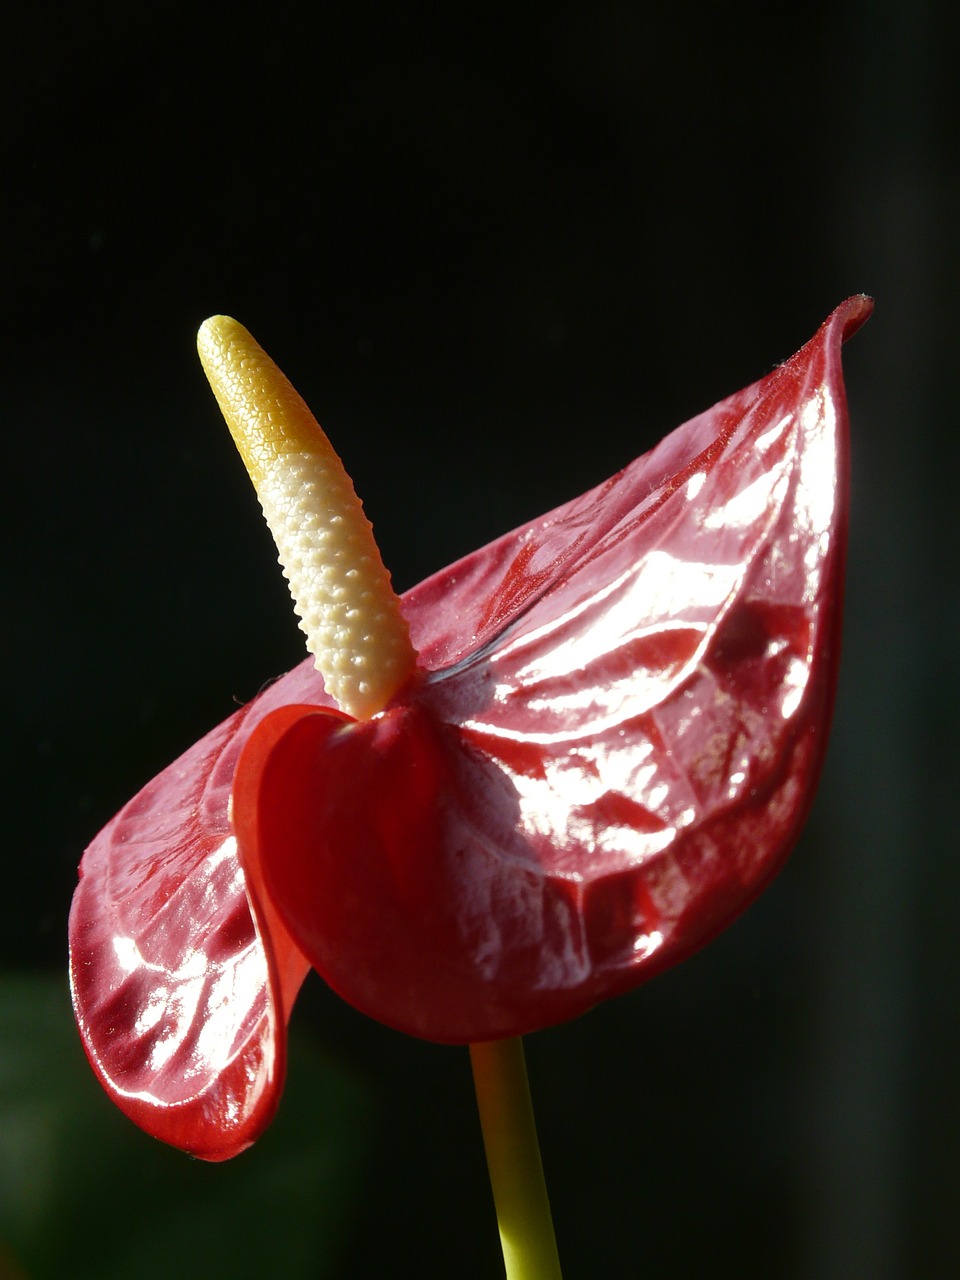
(695, 484)
(748, 506)
(647, 943)
(772, 435)
(795, 681)
(817, 461)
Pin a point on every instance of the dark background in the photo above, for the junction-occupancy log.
(500, 253)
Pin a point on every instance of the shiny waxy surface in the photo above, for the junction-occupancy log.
(610, 750)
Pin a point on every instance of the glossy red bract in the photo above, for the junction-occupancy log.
(610, 748)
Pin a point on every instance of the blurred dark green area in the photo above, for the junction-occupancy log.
(500, 252)
(83, 1194)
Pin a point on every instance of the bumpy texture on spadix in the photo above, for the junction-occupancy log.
(342, 593)
(611, 747)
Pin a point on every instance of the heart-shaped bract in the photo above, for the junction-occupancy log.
(610, 747)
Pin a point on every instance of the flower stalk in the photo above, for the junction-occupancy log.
(513, 1158)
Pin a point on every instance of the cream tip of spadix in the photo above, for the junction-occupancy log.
(341, 590)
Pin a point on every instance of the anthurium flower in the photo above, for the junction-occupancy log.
(603, 748)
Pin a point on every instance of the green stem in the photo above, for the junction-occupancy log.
(513, 1158)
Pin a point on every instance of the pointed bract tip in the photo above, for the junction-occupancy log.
(852, 314)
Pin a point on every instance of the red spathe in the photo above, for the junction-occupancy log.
(610, 748)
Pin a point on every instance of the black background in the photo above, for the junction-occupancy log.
(501, 252)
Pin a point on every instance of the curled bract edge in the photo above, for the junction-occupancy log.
(610, 747)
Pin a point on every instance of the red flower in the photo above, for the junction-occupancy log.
(609, 748)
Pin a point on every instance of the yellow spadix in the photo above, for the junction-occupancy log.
(341, 590)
